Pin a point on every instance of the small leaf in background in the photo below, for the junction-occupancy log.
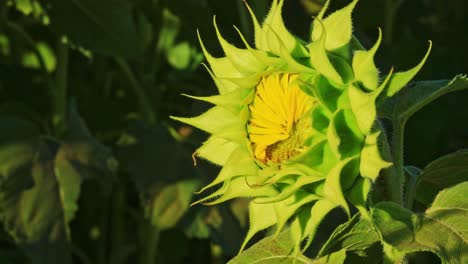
(444, 172)
(171, 202)
(30, 59)
(179, 56)
(104, 26)
(442, 229)
(272, 250)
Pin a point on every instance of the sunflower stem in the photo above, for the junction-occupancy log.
(150, 237)
(396, 185)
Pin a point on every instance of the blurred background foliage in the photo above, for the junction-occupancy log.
(92, 170)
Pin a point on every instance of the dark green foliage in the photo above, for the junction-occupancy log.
(93, 171)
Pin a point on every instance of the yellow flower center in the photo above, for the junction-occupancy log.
(278, 125)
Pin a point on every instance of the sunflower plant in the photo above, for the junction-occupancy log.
(297, 129)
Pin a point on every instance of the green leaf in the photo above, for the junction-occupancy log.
(338, 26)
(411, 99)
(40, 183)
(444, 172)
(271, 250)
(357, 234)
(400, 79)
(107, 27)
(335, 258)
(170, 203)
(442, 229)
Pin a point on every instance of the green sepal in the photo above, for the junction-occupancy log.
(224, 86)
(358, 194)
(320, 61)
(231, 100)
(215, 120)
(320, 156)
(400, 79)
(249, 81)
(286, 209)
(216, 150)
(344, 135)
(272, 27)
(364, 67)
(222, 67)
(363, 104)
(242, 59)
(262, 216)
(371, 159)
(342, 66)
(318, 212)
(323, 90)
(271, 62)
(278, 175)
(298, 228)
(238, 187)
(289, 190)
(320, 119)
(239, 163)
(333, 184)
(338, 25)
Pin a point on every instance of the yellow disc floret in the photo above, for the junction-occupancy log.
(278, 124)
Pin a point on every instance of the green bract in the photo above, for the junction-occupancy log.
(339, 158)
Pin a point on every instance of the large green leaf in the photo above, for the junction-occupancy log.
(442, 229)
(271, 250)
(40, 181)
(415, 96)
(444, 172)
(105, 26)
(357, 234)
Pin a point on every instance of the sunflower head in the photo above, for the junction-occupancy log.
(293, 125)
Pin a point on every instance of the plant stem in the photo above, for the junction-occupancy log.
(118, 221)
(150, 235)
(396, 185)
(146, 108)
(59, 92)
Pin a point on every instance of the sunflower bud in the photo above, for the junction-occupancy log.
(293, 123)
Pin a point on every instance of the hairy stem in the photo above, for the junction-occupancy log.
(396, 185)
